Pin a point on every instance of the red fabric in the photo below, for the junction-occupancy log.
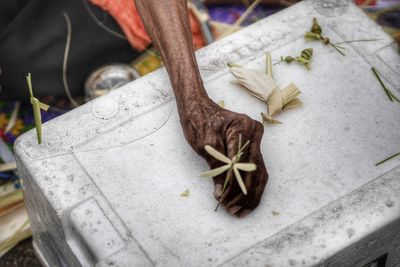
(362, 2)
(126, 15)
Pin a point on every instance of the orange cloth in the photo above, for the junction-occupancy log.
(126, 15)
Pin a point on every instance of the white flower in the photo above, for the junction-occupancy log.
(230, 165)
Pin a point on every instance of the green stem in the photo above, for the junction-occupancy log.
(228, 177)
(388, 93)
(339, 46)
(230, 171)
(395, 155)
(361, 40)
(29, 81)
(394, 97)
(219, 204)
(337, 49)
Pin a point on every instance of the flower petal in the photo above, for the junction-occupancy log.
(217, 155)
(247, 167)
(216, 171)
(240, 180)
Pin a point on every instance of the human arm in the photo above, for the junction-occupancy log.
(204, 122)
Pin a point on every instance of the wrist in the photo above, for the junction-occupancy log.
(198, 108)
(190, 92)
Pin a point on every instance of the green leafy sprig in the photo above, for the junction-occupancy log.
(232, 166)
(304, 58)
(316, 34)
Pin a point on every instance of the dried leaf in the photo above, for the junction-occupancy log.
(44, 106)
(268, 119)
(289, 93)
(275, 213)
(295, 103)
(275, 103)
(231, 65)
(269, 65)
(265, 88)
(258, 84)
(185, 193)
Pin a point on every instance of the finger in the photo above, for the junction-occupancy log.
(253, 180)
(231, 187)
(255, 201)
(240, 197)
(250, 181)
(217, 190)
(258, 179)
(233, 134)
(218, 180)
(234, 202)
(259, 189)
(233, 137)
(219, 183)
(237, 198)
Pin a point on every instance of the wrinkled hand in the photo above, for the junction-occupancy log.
(206, 123)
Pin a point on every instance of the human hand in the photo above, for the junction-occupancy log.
(206, 123)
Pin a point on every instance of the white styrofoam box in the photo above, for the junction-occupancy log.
(104, 188)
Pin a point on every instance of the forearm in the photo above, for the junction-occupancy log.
(167, 23)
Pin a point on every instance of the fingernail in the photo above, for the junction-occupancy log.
(244, 213)
(234, 209)
(218, 191)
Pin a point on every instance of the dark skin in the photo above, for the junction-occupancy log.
(204, 122)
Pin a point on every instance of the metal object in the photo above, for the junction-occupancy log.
(104, 187)
(108, 78)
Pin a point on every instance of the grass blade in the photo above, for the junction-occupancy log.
(383, 86)
(389, 158)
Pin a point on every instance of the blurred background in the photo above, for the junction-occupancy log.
(81, 49)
